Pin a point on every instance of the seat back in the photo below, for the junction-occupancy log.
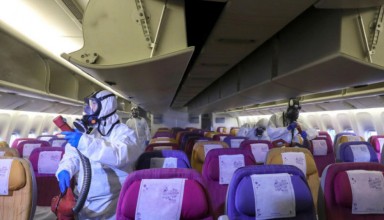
(241, 195)
(195, 203)
(259, 149)
(275, 156)
(45, 162)
(326, 135)
(19, 202)
(218, 169)
(221, 129)
(161, 146)
(9, 152)
(322, 150)
(357, 151)
(342, 139)
(338, 194)
(18, 140)
(338, 136)
(27, 146)
(157, 159)
(377, 142)
(4, 144)
(191, 143)
(233, 131)
(46, 137)
(58, 142)
(200, 149)
(234, 141)
(220, 137)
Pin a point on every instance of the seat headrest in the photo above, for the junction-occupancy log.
(196, 208)
(245, 201)
(17, 176)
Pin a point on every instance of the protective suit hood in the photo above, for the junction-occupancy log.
(108, 107)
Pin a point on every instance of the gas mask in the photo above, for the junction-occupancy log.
(135, 112)
(259, 131)
(293, 110)
(91, 113)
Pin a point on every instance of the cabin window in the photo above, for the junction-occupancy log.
(45, 132)
(368, 134)
(331, 133)
(349, 130)
(14, 136)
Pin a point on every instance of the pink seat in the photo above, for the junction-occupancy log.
(26, 147)
(220, 137)
(377, 142)
(47, 185)
(338, 194)
(322, 159)
(211, 175)
(195, 203)
(250, 144)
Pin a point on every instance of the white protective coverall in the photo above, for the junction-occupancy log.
(277, 130)
(140, 126)
(111, 157)
(251, 132)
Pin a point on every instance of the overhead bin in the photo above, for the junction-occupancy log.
(327, 50)
(138, 47)
(322, 50)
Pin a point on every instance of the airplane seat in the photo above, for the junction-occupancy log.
(301, 158)
(243, 195)
(9, 152)
(161, 146)
(18, 196)
(163, 134)
(217, 172)
(210, 134)
(221, 129)
(187, 138)
(344, 139)
(58, 142)
(163, 159)
(18, 140)
(326, 135)
(259, 149)
(200, 150)
(357, 151)
(162, 140)
(4, 144)
(353, 191)
(191, 142)
(155, 194)
(322, 150)
(377, 142)
(234, 141)
(336, 140)
(27, 146)
(45, 161)
(220, 137)
(46, 137)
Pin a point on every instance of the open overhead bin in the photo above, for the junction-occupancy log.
(138, 47)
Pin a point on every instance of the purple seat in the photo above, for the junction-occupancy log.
(338, 135)
(58, 142)
(240, 203)
(25, 147)
(46, 137)
(161, 146)
(195, 203)
(163, 134)
(234, 141)
(211, 175)
(377, 142)
(47, 185)
(144, 161)
(322, 157)
(252, 146)
(220, 137)
(363, 147)
(338, 194)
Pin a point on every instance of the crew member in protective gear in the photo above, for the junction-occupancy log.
(140, 126)
(111, 149)
(286, 125)
(258, 132)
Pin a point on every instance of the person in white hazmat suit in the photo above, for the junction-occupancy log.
(140, 126)
(258, 132)
(288, 126)
(111, 149)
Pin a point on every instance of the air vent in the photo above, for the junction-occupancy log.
(73, 9)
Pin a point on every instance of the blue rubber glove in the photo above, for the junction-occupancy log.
(64, 180)
(304, 135)
(292, 126)
(73, 137)
(146, 143)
